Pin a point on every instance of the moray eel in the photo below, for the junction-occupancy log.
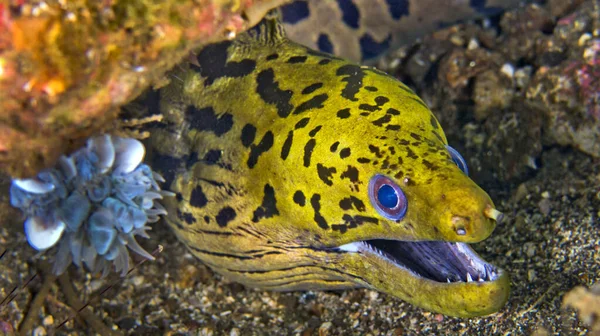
(362, 30)
(296, 170)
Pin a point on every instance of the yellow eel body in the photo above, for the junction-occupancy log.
(278, 155)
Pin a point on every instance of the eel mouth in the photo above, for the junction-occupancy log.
(438, 261)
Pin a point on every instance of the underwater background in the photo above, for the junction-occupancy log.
(518, 95)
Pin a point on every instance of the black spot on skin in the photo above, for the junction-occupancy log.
(398, 8)
(324, 44)
(350, 13)
(212, 157)
(392, 127)
(269, 91)
(362, 219)
(349, 202)
(198, 198)
(343, 113)
(324, 61)
(383, 120)
(186, 217)
(312, 88)
(375, 150)
(299, 198)
(381, 100)
(370, 48)
(409, 182)
(354, 80)
(257, 150)
(334, 146)
(268, 208)
(365, 114)
(351, 222)
(371, 88)
(325, 174)
(351, 173)
(393, 111)
(285, 149)
(370, 108)
(315, 102)
(272, 57)
(297, 59)
(363, 160)
(212, 63)
(430, 165)
(206, 219)
(342, 228)
(411, 154)
(225, 215)
(302, 123)
(344, 153)
(415, 136)
(205, 119)
(434, 122)
(314, 131)
(294, 12)
(168, 166)
(385, 164)
(308, 149)
(319, 219)
(248, 135)
(346, 204)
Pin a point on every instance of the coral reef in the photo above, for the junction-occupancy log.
(66, 66)
(92, 205)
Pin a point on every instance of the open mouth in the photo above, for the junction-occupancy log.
(434, 260)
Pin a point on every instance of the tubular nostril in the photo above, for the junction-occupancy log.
(494, 214)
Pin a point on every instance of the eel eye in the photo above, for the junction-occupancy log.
(387, 197)
(458, 159)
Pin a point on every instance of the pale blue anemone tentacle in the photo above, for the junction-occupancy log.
(91, 207)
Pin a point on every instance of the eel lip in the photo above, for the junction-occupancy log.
(439, 261)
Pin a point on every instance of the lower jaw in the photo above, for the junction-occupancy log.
(459, 299)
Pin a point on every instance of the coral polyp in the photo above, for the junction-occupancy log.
(90, 207)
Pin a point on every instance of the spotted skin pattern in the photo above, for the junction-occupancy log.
(269, 147)
(362, 30)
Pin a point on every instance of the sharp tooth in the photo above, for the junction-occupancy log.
(469, 278)
(448, 280)
(480, 280)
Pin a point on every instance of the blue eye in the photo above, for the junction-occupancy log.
(387, 197)
(458, 160)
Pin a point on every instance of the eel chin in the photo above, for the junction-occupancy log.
(446, 277)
